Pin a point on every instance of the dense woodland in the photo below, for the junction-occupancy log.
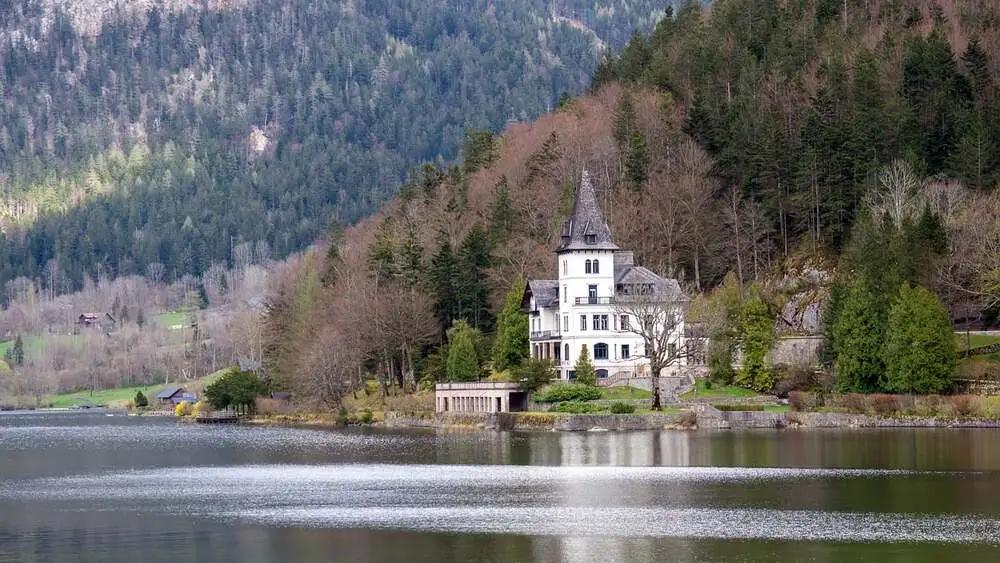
(169, 132)
(751, 143)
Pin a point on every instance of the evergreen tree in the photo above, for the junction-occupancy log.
(919, 351)
(857, 336)
(756, 338)
(637, 160)
(534, 373)
(510, 347)
(463, 363)
(624, 121)
(584, 368)
(140, 400)
(501, 212)
(17, 351)
(382, 254)
(473, 285)
(443, 273)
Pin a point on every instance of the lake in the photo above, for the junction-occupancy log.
(89, 487)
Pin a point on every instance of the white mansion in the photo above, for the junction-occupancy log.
(579, 308)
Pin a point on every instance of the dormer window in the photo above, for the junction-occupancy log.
(590, 239)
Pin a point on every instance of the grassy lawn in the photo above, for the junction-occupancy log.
(717, 391)
(174, 320)
(120, 396)
(777, 408)
(975, 340)
(623, 393)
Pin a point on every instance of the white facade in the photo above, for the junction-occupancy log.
(578, 308)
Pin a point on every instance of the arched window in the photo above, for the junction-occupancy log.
(586, 266)
(566, 353)
(602, 374)
(597, 267)
(600, 351)
(565, 268)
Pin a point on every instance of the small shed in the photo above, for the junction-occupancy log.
(167, 395)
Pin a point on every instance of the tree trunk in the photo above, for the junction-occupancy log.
(654, 383)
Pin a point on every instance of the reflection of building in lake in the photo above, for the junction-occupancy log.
(638, 449)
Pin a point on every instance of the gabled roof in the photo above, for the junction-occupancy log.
(168, 392)
(585, 228)
(545, 292)
(665, 288)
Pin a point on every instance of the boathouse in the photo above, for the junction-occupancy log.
(480, 397)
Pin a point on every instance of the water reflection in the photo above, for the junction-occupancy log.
(85, 487)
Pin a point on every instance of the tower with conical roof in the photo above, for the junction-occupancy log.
(577, 310)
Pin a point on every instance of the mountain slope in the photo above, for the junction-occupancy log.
(171, 132)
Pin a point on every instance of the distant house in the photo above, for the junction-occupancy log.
(102, 321)
(167, 396)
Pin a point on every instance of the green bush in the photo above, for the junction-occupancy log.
(622, 408)
(140, 400)
(577, 407)
(365, 416)
(567, 392)
(738, 407)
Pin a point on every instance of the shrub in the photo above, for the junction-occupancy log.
(622, 408)
(140, 400)
(533, 373)
(201, 407)
(884, 405)
(803, 401)
(567, 392)
(576, 407)
(791, 378)
(365, 416)
(854, 402)
(927, 405)
(734, 407)
(183, 408)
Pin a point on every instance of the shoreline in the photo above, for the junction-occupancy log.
(705, 419)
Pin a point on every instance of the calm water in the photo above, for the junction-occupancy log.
(98, 488)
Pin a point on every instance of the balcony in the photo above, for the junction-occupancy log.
(595, 300)
(545, 335)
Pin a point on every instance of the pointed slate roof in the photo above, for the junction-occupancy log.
(585, 228)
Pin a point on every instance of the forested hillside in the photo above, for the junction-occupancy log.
(161, 135)
(748, 143)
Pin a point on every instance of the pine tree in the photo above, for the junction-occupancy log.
(637, 160)
(919, 351)
(624, 121)
(584, 368)
(858, 334)
(463, 363)
(443, 274)
(473, 285)
(510, 347)
(501, 212)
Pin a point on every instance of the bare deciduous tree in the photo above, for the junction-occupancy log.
(655, 313)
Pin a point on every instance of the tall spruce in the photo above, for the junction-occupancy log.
(584, 368)
(510, 347)
(857, 337)
(463, 361)
(919, 351)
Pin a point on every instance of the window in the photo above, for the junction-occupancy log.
(597, 322)
(566, 352)
(624, 323)
(583, 322)
(586, 267)
(604, 322)
(602, 374)
(565, 267)
(564, 293)
(597, 266)
(565, 323)
(592, 294)
(600, 351)
(672, 350)
(625, 352)
(590, 239)
(556, 350)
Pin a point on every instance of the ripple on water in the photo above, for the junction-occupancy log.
(504, 499)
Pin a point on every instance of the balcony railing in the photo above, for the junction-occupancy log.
(595, 300)
(545, 335)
